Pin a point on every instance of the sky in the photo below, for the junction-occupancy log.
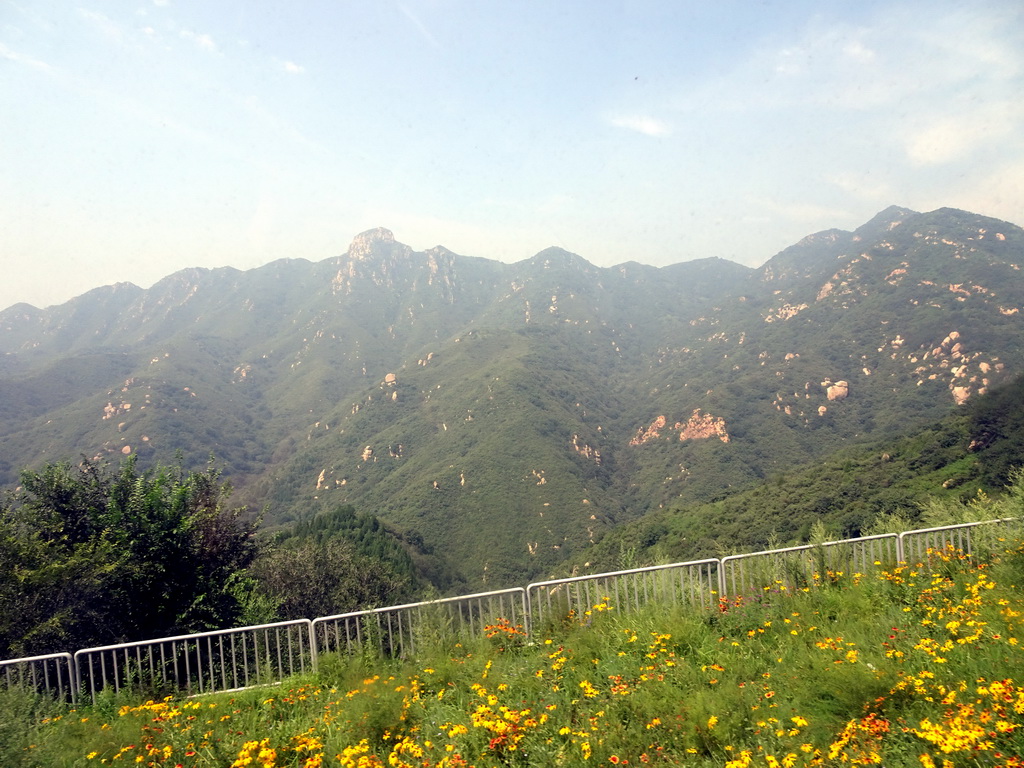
(142, 137)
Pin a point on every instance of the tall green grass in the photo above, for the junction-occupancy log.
(914, 665)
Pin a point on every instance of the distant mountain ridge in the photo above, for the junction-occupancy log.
(508, 414)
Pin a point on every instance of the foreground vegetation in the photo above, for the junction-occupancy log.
(916, 664)
(93, 555)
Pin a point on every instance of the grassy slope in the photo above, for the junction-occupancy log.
(905, 666)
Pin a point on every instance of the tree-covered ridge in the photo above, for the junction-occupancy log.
(493, 412)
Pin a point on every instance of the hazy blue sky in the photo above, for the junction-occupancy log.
(138, 138)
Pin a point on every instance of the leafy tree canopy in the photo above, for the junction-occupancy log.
(90, 555)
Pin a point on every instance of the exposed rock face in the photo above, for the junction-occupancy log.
(362, 244)
(586, 450)
(374, 257)
(652, 432)
(698, 427)
(961, 394)
(838, 391)
(110, 410)
(701, 426)
(785, 312)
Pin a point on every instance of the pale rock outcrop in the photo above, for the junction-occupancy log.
(650, 433)
(961, 394)
(585, 450)
(838, 391)
(701, 426)
(785, 312)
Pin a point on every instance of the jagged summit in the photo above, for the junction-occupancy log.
(363, 243)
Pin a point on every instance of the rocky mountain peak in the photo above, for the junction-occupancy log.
(885, 221)
(363, 243)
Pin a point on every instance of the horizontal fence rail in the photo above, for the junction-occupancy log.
(805, 566)
(692, 583)
(243, 657)
(222, 660)
(398, 630)
(52, 673)
(966, 537)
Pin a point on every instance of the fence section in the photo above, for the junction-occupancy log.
(805, 566)
(238, 658)
(202, 663)
(398, 630)
(52, 673)
(690, 583)
(970, 538)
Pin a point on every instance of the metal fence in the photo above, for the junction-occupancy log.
(230, 659)
(399, 630)
(223, 660)
(970, 538)
(691, 583)
(52, 673)
(807, 565)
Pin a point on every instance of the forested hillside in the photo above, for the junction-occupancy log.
(870, 488)
(500, 419)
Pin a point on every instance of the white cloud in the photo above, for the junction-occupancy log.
(11, 55)
(963, 130)
(649, 126)
(104, 24)
(292, 68)
(856, 50)
(203, 41)
(899, 57)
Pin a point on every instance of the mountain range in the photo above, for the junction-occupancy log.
(502, 418)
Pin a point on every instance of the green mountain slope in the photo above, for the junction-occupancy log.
(507, 415)
(968, 452)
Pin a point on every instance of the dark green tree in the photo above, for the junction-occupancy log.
(92, 556)
(336, 561)
(310, 578)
